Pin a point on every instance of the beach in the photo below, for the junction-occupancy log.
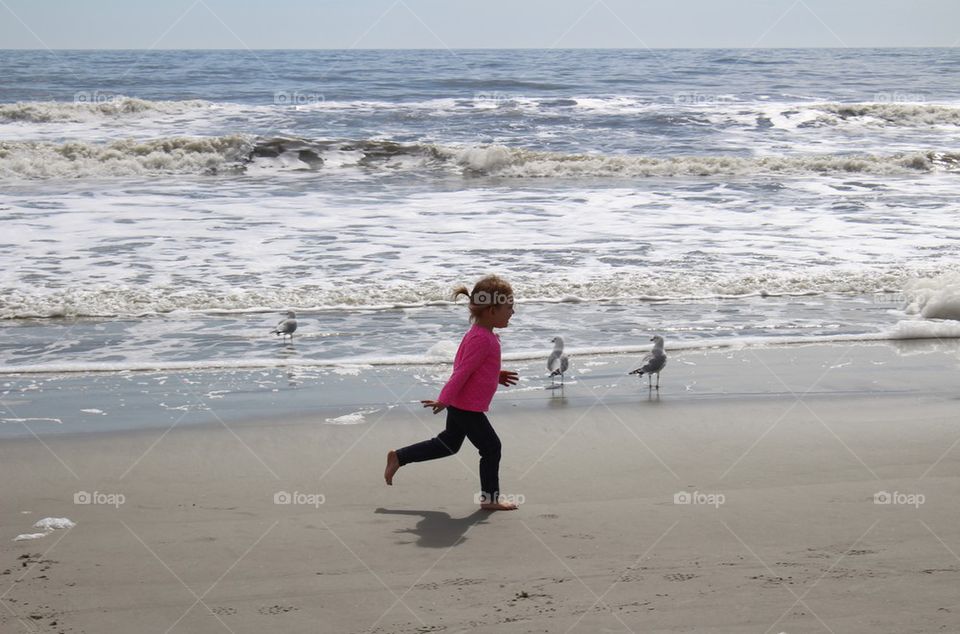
(798, 488)
(784, 218)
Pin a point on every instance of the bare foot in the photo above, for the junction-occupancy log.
(393, 464)
(499, 506)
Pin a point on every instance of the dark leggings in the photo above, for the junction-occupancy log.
(462, 424)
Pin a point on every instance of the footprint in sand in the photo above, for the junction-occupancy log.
(773, 582)
(459, 581)
(276, 609)
(548, 516)
(680, 576)
(223, 611)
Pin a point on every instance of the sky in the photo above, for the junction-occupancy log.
(346, 24)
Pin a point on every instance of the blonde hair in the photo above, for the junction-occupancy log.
(490, 291)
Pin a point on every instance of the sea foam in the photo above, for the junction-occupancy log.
(48, 524)
(124, 300)
(935, 298)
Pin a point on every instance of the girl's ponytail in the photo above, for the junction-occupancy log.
(458, 291)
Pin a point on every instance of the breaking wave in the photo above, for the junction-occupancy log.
(239, 154)
(502, 161)
(177, 155)
(891, 114)
(87, 107)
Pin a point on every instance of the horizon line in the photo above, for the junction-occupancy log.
(503, 48)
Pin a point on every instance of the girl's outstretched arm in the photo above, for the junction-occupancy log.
(436, 405)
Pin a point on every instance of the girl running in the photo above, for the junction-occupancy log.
(467, 395)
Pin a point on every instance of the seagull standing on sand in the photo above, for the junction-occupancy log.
(558, 362)
(654, 362)
(287, 326)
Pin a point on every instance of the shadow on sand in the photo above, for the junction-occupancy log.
(437, 529)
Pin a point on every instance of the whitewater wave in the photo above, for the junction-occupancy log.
(889, 114)
(509, 162)
(240, 154)
(89, 107)
(175, 155)
(144, 299)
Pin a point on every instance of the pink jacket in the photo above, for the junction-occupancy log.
(476, 372)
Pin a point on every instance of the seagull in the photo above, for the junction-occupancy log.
(654, 362)
(286, 326)
(558, 362)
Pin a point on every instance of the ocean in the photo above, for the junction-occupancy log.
(161, 210)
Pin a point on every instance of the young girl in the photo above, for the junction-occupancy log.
(467, 395)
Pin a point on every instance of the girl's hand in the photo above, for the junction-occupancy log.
(436, 405)
(508, 377)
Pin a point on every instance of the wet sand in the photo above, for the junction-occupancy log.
(747, 496)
